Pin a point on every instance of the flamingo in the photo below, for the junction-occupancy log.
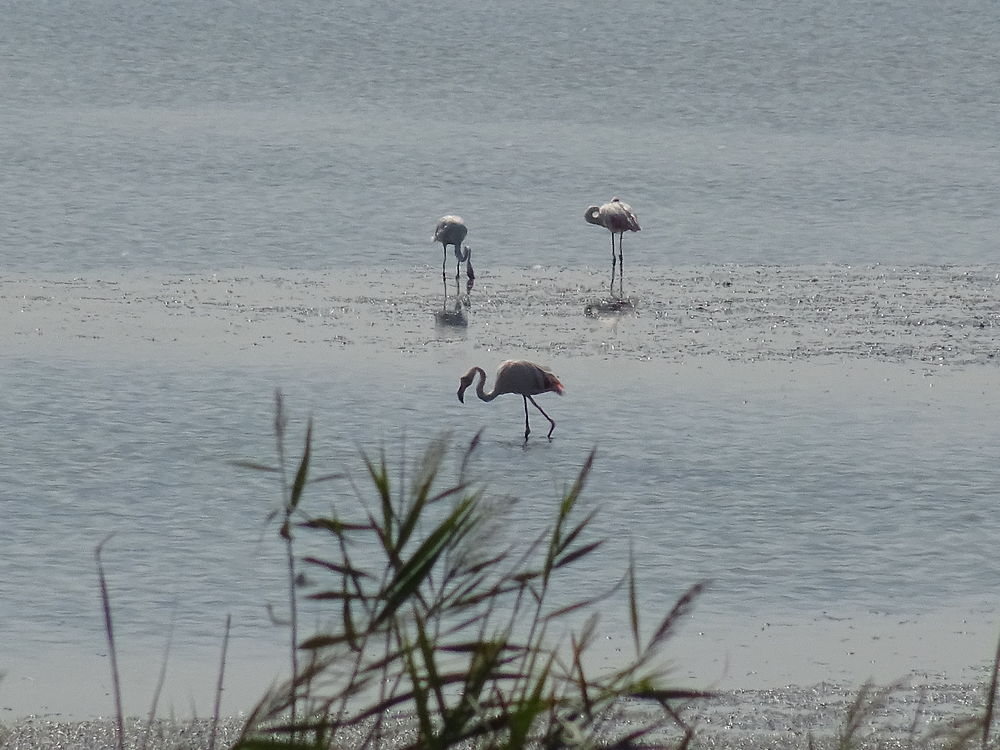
(617, 218)
(451, 230)
(515, 376)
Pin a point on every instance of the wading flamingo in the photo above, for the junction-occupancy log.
(451, 230)
(617, 218)
(515, 376)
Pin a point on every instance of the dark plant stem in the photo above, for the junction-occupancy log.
(991, 698)
(218, 687)
(160, 680)
(280, 423)
(110, 631)
(293, 614)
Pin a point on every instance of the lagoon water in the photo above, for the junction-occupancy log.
(202, 205)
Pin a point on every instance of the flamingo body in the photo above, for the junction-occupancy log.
(617, 218)
(519, 376)
(451, 230)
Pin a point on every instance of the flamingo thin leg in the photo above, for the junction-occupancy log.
(621, 267)
(551, 421)
(612, 264)
(527, 429)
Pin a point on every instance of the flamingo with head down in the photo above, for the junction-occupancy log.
(451, 230)
(515, 376)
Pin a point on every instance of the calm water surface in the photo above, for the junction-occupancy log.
(178, 139)
(791, 498)
(186, 138)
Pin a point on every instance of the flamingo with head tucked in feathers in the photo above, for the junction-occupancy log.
(451, 230)
(515, 376)
(617, 218)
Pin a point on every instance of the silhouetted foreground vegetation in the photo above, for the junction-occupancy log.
(439, 637)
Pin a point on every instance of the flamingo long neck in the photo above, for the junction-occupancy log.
(593, 215)
(480, 386)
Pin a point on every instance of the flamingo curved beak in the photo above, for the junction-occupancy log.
(463, 384)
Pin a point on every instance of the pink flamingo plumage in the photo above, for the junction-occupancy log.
(515, 376)
(451, 230)
(617, 218)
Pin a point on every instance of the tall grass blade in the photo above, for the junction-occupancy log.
(161, 679)
(379, 474)
(415, 571)
(527, 709)
(558, 542)
(633, 603)
(217, 709)
(578, 645)
(421, 703)
(679, 611)
(430, 669)
(470, 449)
(574, 555)
(302, 473)
(112, 650)
(991, 698)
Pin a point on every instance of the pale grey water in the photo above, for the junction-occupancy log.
(183, 137)
(853, 500)
(178, 139)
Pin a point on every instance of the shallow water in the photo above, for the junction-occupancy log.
(797, 402)
(816, 442)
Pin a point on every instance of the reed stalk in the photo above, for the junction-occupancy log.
(109, 631)
(445, 632)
